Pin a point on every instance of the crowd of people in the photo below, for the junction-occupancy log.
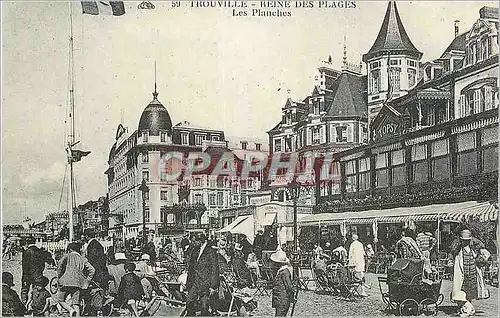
(124, 276)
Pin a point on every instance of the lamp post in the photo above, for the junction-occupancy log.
(294, 188)
(145, 190)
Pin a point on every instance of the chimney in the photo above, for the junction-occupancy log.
(457, 23)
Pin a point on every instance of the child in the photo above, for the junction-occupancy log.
(283, 292)
(130, 290)
(40, 298)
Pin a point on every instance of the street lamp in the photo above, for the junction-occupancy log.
(145, 191)
(294, 188)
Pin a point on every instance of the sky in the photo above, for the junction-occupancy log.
(213, 70)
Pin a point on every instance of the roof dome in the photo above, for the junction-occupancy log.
(155, 118)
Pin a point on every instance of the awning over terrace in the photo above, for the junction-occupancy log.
(485, 211)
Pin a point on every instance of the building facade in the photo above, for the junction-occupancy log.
(156, 149)
(434, 125)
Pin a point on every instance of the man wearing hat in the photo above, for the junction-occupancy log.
(11, 304)
(283, 292)
(33, 265)
(117, 271)
(357, 260)
(470, 254)
(203, 277)
(258, 243)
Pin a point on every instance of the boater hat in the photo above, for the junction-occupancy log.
(145, 257)
(279, 257)
(120, 256)
(466, 235)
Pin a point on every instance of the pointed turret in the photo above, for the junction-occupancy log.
(392, 37)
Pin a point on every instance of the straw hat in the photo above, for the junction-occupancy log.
(279, 257)
(145, 257)
(466, 235)
(120, 256)
(222, 243)
(238, 247)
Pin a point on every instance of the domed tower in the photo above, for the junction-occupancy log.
(392, 62)
(155, 124)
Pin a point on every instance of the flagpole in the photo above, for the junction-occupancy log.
(72, 115)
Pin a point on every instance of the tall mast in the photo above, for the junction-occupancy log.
(71, 140)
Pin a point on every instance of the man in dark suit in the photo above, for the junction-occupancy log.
(203, 277)
(33, 265)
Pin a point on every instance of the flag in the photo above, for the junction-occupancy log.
(76, 155)
(103, 7)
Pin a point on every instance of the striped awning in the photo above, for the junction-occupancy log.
(484, 211)
(446, 212)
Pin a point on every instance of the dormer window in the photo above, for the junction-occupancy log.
(341, 134)
(257, 146)
(215, 138)
(375, 82)
(244, 145)
(145, 136)
(316, 107)
(198, 139)
(184, 138)
(163, 136)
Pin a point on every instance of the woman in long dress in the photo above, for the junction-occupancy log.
(469, 254)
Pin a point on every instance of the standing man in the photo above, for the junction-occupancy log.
(357, 260)
(33, 265)
(258, 244)
(203, 277)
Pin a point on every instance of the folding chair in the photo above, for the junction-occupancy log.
(321, 281)
(348, 284)
(264, 283)
(304, 280)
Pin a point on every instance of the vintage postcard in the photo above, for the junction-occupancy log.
(250, 158)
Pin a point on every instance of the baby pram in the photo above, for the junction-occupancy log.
(408, 293)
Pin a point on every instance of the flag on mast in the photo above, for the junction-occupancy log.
(116, 8)
(76, 155)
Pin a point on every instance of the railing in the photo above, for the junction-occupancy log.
(59, 246)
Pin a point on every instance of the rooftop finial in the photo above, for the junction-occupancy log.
(155, 93)
(345, 52)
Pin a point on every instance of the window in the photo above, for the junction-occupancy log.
(198, 198)
(316, 107)
(439, 148)
(398, 157)
(351, 184)
(145, 175)
(382, 179)
(440, 169)
(364, 181)
(184, 138)
(146, 214)
(364, 164)
(375, 64)
(341, 134)
(211, 199)
(215, 138)
(163, 195)
(420, 172)
(145, 157)
(381, 160)
(244, 145)
(394, 76)
(288, 144)
(257, 146)
(197, 182)
(419, 152)
(490, 159)
(412, 77)
(375, 81)
(466, 141)
(220, 198)
(395, 62)
(162, 136)
(399, 176)
(316, 137)
(145, 136)
(350, 167)
(411, 63)
(146, 196)
(277, 145)
(364, 133)
(198, 139)
(489, 136)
